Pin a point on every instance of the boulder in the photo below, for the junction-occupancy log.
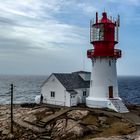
(5, 132)
(110, 138)
(67, 129)
(92, 128)
(31, 118)
(10, 137)
(131, 137)
(49, 127)
(35, 111)
(48, 113)
(77, 114)
(102, 119)
(75, 128)
(137, 137)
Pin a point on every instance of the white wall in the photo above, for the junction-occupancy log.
(79, 95)
(67, 98)
(103, 75)
(62, 97)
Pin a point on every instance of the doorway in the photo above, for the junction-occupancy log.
(110, 88)
(73, 100)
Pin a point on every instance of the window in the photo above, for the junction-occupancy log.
(84, 93)
(72, 96)
(52, 94)
(109, 62)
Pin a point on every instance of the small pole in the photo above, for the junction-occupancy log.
(96, 17)
(12, 108)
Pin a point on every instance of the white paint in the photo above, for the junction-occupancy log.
(62, 97)
(103, 75)
(73, 100)
(80, 97)
(37, 99)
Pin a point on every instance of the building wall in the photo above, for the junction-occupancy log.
(67, 99)
(80, 97)
(73, 100)
(103, 75)
(62, 97)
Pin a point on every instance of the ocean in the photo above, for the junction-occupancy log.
(27, 87)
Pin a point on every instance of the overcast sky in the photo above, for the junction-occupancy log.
(45, 36)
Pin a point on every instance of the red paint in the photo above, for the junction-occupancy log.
(103, 37)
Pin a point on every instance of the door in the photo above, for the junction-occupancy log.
(73, 100)
(110, 88)
(84, 96)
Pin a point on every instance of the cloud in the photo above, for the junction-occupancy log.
(31, 34)
(126, 2)
(53, 31)
(34, 22)
(87, 8)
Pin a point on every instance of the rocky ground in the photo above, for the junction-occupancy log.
(75, 124)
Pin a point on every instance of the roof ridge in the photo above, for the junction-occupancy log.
(61, 73)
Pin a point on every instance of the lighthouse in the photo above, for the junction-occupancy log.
(103, 84)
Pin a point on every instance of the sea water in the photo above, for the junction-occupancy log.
(27, 87)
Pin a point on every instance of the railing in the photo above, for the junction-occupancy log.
(117, 53)
(91, 53)
(97, 32)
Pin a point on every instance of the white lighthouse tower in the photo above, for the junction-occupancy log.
(103, 84)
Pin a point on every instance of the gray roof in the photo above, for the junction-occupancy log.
(82, 72)
(72, 80)
(72, 91)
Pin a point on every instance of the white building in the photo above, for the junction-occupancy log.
(66, 89)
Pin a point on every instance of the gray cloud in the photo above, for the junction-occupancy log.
(14, 45)
(36, 36)
(6, 21)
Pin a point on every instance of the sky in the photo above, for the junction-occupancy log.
(40, 37)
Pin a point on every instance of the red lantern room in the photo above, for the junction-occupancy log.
(104, 36)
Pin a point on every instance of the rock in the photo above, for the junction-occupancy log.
(105, 125)
(133, 136)
(67, 129)
(124, 120)
(77, 114)
(102, 119)
(49, 127)
(1, 130)
(48, 113)
(17, 115)
(10, 137)
(74, 128)
(110, 138)
(130, 137)
(92, 127)
(39, 110)
(5, 132)
(30, 118)
(137, 137)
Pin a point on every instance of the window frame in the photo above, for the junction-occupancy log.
(52, 94)
(84, 93)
